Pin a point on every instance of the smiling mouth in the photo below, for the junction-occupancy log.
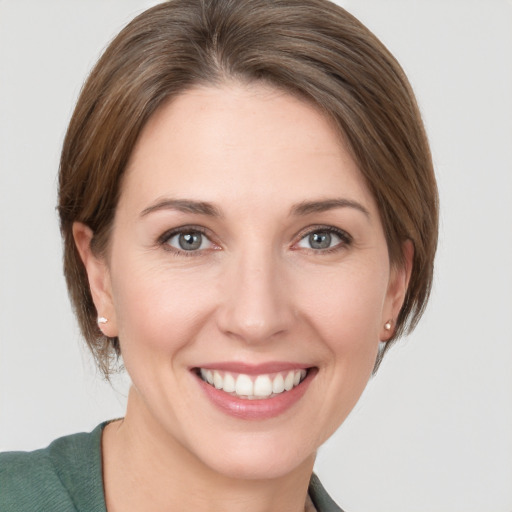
(253, 387)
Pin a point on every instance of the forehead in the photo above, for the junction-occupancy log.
(245, 142)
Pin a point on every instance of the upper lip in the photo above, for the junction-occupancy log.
(253, 369)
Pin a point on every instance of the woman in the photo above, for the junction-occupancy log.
(248, 208)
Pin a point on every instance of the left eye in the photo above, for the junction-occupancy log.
(320, 239)
(189, 241)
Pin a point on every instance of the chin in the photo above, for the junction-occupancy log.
(253, 460)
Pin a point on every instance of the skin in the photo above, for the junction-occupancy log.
(256, 291)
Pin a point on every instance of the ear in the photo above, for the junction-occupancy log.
(397, 289)
(99, 278)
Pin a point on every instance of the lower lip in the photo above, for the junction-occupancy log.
(257, 409)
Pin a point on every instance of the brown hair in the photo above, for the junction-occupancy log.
(308, 47)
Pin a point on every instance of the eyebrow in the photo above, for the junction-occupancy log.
(308, 207)
(183, 205)
(204, 208)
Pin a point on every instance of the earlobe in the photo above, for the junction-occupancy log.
(99, 278)
(397, 290)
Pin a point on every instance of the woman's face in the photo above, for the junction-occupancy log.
(248, 251)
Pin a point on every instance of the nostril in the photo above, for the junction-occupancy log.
(255, 307)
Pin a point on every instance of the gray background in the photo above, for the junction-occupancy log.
(433, 431)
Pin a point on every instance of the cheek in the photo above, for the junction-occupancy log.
(346, 305)
(344, 310)
(157, 311)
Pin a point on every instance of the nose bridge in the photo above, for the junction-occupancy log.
(256, 306)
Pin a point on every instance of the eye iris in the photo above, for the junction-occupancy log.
(190, 241)
(320, 240)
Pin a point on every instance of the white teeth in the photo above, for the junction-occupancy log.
(261, 386)
(278, 384)
(218, 381)
(244, 385)
(229, 383)
(288, 382)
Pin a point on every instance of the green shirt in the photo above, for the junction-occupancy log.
(67, 477)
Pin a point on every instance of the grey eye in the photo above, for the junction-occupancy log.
(189, 241)
(320, 240)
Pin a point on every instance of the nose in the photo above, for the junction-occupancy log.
(257, 304)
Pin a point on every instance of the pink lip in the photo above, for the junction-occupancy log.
(260, 409)
(254, 369)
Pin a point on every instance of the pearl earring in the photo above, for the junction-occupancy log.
(387, 325)
(102, 320)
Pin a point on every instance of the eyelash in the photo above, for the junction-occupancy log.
(346, 239)
(163, 240)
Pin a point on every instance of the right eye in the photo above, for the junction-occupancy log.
(188, 241)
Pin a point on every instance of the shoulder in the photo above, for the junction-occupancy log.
(61, 477)
(29, 481)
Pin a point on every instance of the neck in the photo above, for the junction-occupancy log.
(145, 468)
